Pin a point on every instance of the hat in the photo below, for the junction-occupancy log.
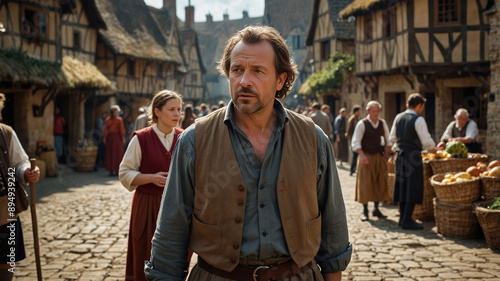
(142, 109)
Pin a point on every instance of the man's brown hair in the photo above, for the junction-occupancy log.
(414, 100)
(283, 63)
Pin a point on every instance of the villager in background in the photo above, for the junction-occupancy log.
(188, 118)
(463, 130)
(99, 140)
(142, 119)
(114, 138)
(340, 138)
(144, 169)
(371, 141)
(412, 136)
(351, 124)
(59, 124)
(321, 119)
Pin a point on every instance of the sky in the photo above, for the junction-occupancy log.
(217, 8)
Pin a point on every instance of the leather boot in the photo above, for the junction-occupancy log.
(408, 222)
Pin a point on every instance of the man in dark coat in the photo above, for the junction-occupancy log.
(411, 134)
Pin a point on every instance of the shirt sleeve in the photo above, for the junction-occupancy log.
(472, 131)
(357, 136)
(386, 133)
(131, 162)
(171, 238)
(423, 134)
(18, 158)
(447, 132)
(335, 250)
(393, 138)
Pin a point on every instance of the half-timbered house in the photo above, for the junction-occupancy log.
(438, 48)
(136, 55)
(36, 39)
(191, 83)
(327, 35)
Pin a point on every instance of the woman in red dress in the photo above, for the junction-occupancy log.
(114, 139)
(144, 169)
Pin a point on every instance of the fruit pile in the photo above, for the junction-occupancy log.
(456, 149)
(492, 169)
(440, 154)
(481, 169)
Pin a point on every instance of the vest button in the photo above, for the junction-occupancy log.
(236, 246)
(241, 188)
(240, 202)
(261, 187)
(233, 260)
(237, 220)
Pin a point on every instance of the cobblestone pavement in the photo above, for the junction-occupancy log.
(83, 227)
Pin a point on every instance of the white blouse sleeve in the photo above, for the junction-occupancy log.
(129, 167)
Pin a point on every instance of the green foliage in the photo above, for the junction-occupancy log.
(495, 205)
(330, 78)
(21, 67)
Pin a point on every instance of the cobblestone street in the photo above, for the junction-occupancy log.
(83, 226)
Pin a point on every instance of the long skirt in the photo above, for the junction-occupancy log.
(409, 181)
(114, 152)
(144, 213)
(311, 274)
(371, 180)
(11, 236)
(343, 149)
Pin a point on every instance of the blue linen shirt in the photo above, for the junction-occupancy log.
(263, 236)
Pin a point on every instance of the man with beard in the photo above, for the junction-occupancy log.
(272, 207)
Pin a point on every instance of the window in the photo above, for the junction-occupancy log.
(447, 11)
(368, 28)
(77, 45)
(389, 19)
(296, 40)
(131, 68)
(34, 24)
(325, 50)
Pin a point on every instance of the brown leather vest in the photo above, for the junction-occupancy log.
(220, 193)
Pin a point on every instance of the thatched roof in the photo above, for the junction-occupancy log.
(305, 89)
(343, 30)
(359, 7)
(132, 31)
(19, 67)
(80, 73)
(286, 15)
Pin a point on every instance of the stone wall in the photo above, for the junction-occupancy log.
(493, 141)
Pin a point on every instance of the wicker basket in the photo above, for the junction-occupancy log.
(457, 192)
(425, 211)
(490, 222)
(490, 187)
(85, 158)
(456, 164)
(457, 221)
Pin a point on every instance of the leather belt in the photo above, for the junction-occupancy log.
(257, 273)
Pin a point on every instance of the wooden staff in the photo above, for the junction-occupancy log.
(35, 224)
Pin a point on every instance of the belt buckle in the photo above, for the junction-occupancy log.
(257, 269)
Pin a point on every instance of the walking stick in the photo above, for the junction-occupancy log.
(35, 224)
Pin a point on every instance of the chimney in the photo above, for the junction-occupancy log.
(189, 15)
(209, 18)
(245, 14)
(226, 16)
(170, 5)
